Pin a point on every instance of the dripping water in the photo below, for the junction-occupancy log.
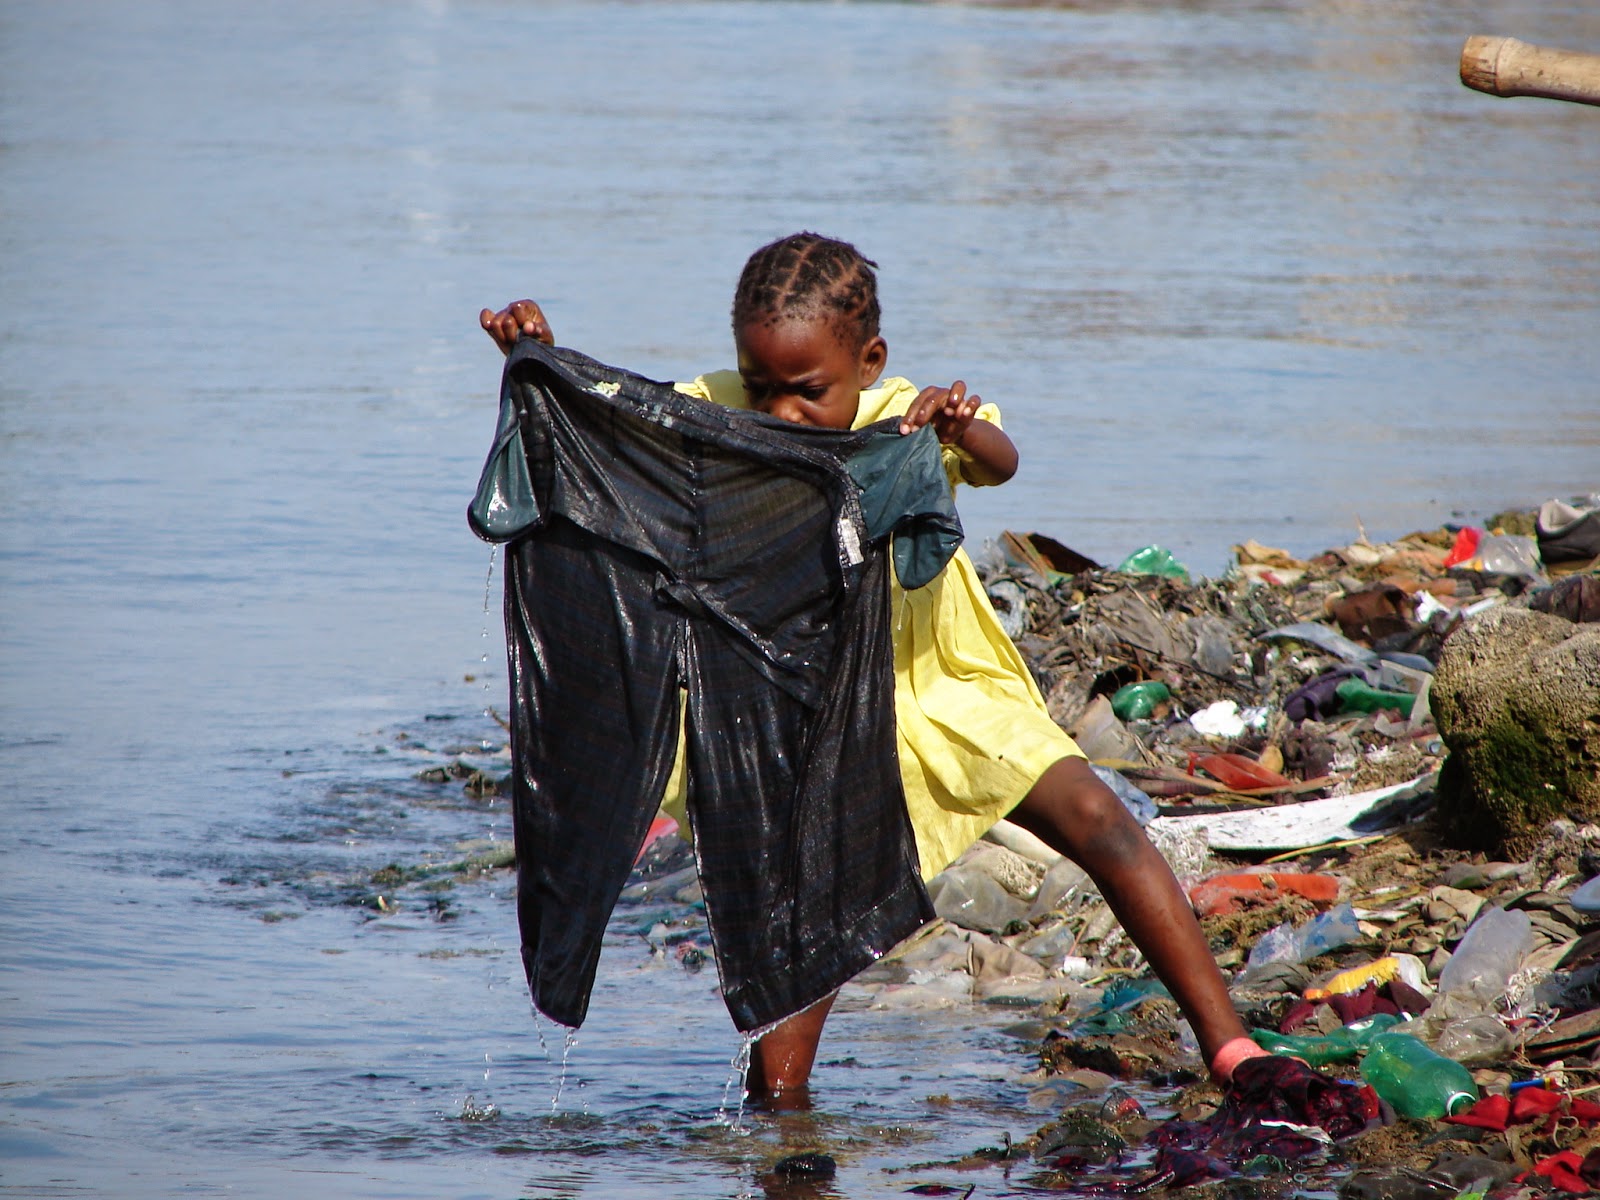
(739, 1072)
(483, 658)
(567, 1043)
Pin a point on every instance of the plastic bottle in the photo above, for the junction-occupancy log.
(1415, 1080)
(1135, 700)
(1341, 1045)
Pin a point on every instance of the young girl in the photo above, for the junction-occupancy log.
(976, 742)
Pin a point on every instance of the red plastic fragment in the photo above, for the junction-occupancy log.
(659, 828)
(1238, 771)
(1586, 1111)
(1466, 545)
(1590, 1170)
(1224, 893)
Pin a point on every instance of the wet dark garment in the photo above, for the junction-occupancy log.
(666, 544)
(1274, 1109)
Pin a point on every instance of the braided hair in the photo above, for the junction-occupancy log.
(806, 275)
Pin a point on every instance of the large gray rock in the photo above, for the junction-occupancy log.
(1517, 701)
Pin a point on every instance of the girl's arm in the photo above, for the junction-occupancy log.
(520, 318)
(988, 455)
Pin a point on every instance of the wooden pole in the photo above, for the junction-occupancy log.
(1503, 66)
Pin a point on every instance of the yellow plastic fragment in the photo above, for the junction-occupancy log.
(1380, 971)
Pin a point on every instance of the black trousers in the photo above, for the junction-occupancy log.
(684, 549)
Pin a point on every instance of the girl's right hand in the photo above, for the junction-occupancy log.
(520, 318)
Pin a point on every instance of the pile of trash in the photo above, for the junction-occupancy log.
(1278, 733)
(1275, 730)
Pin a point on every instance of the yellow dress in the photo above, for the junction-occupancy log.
(973, 731)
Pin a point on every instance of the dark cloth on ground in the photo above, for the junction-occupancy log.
(661, 546)
(1273, 1106)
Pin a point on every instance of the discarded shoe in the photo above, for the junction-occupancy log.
(1567, 532)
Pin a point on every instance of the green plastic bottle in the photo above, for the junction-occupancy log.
(1415, 1080)
(1342, 1045)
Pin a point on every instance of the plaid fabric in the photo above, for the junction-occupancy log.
(681, 548)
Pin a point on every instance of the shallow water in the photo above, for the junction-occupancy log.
(1233, 269)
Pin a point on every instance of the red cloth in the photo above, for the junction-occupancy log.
(1490, 1112)
(1533, 1102)
(1562, 1170)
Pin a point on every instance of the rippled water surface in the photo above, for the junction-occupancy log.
(1232, 269)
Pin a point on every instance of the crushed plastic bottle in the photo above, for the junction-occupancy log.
(1342, 1045)
(1063, 879)
(1415, 1080)
(1133, 701)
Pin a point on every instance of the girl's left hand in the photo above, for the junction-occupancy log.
(949, 410)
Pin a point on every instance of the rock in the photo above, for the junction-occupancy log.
(810, 1165)
(1448, 902)
(1517, 701)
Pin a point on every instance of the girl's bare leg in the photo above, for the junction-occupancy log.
(781, 1061)
(1079, 816)
(1072, 811)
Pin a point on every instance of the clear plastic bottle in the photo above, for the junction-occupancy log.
(1415, 1080)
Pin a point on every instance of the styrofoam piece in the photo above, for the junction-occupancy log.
(1295, 826)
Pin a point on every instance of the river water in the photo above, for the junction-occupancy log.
(1233, 268)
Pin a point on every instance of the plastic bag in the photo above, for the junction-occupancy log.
(1324, 932)
(1488, 956)
(1154, 560)
(1142, 808)
(973, 900)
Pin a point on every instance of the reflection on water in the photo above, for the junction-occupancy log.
(1232, 269)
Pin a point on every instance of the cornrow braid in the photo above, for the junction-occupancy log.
(806, 274)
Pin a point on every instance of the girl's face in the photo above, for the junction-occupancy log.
(803, 370)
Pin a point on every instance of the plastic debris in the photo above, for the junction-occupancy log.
(1287, 944)
(1308, 823)
(1221, 719)
(1136, 700)
(1415, 1080)
(1154, 560)
(1345, 1044)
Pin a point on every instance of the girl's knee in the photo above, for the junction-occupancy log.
(1077, 814)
